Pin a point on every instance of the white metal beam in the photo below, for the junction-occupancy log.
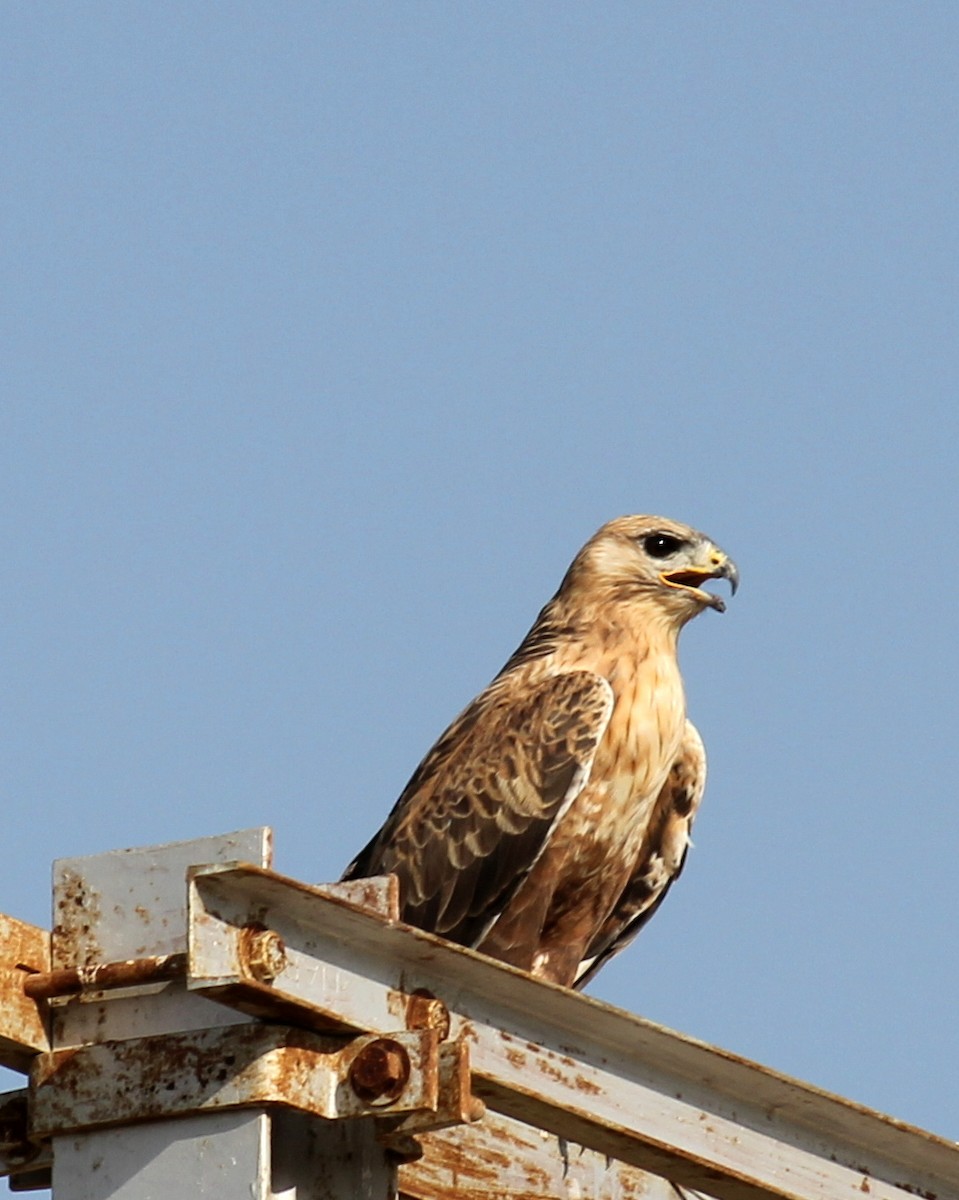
(540, 1054)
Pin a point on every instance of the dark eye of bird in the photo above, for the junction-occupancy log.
(661, 545)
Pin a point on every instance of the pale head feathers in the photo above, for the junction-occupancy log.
(650, 561)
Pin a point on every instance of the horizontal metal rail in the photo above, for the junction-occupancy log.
(543, 1055)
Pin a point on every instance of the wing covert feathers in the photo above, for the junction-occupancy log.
(479, 809)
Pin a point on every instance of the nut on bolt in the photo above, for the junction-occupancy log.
(380, 1071)
(425, 1011)
(262, 952)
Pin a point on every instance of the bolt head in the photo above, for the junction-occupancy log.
(262, 953)
(380, 1071)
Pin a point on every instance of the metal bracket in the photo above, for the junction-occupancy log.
(247, 1066)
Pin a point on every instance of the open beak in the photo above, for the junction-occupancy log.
(721, 566)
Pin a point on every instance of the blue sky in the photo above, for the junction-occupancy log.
(332, 331)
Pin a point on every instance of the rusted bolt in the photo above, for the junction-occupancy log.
(424, 1011)
(380, 1071)
(262, 952)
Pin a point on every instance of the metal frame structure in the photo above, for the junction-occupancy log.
(196, 1024)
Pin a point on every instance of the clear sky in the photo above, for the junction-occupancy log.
(331, 331)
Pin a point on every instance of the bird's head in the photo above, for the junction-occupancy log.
(657, 560)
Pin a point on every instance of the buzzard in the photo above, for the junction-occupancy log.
(548, 822)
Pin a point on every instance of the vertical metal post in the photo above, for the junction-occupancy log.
(329, 1160)
(131, 904)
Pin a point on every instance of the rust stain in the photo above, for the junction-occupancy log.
(78, 913)
(551, 1070)
(371, 894)
(425, 1011)
(380, 1071)
(262, 952)
(70, 981)
(516, 1058)
(24, 952)
(506, 1160)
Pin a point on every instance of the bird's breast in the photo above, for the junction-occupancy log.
(645, 729)
(608, 819)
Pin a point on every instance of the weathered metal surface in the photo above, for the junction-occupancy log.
(541, 1054)
(262, 953)
(244, 1066)
(456, 1104)
(380, 894)
(502, 1159)
(219, 1156)
(329, 1160)
(424, 1011)
(24, 949)
(130, 904)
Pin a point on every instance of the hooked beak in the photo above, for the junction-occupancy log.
(720, 566)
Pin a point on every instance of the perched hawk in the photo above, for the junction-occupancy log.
(548, 822)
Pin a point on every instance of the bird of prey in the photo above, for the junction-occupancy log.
(547, 823)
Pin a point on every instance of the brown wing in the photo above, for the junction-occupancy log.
(479, 809)
(661, 857)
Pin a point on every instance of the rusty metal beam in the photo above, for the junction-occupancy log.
(24, 949)
(500, 1158)
(543, 1055)
(240, 1066)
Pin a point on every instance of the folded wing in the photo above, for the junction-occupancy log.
(477, 813)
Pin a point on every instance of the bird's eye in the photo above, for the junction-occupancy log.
(661, 545)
